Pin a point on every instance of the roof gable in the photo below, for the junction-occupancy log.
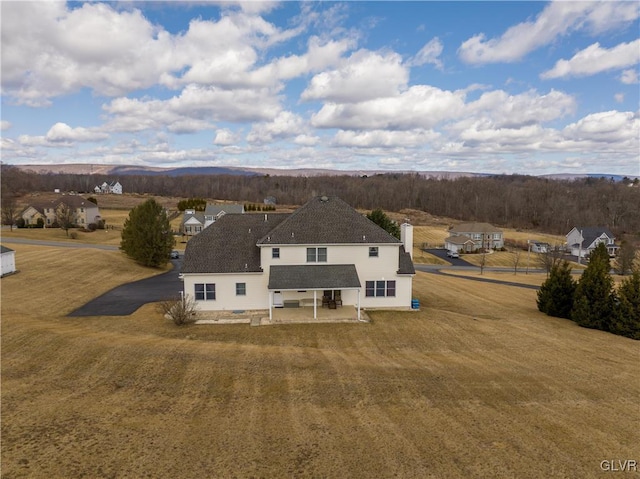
(327, 220)
(229, 244)
(231, 208)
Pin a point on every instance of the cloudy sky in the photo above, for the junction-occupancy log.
(504, 87)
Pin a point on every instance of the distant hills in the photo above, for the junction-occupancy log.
(124, 170)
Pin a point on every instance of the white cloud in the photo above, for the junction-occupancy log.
(618, 97)
(557, 19)
(609, 127)
(595, 59)
(285, 125)
(384, 138)
(629, 77)
(121, 51)
(429, 54)
(365, 75)
(225, 137)
(61, 132)
(193, 110)
(5, 125)
(513, 111)
(421, 106)
(306, 140)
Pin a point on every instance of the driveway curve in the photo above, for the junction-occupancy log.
(127, 298)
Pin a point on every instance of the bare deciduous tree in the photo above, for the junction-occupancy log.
(179, 310)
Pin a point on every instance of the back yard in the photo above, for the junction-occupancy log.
(476, 384)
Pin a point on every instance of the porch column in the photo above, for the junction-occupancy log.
(315, 304)
(270, 306)
(358, 304)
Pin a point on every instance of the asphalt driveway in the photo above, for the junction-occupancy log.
(127, 298)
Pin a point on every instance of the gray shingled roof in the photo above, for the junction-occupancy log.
(229, 244)
(199, 215)
(4, 249)
(475, 228)
(591, 233)
(405, 262)
(327, 276)
(327, 220)
(231, 208)
(458, 239)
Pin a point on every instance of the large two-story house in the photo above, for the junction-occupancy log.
(582, 240)
(193, 222)
(83, 212)
(325, 249)
(467, 237)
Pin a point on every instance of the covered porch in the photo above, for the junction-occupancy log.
(315, 288)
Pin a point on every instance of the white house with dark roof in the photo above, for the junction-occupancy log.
(582, 240)
(8, 257)
(467, 237)
(323, 254)
(214, 212)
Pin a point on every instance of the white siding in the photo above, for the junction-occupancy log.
(8, 262)
(382, 267)
(226, 299)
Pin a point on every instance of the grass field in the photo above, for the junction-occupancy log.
(478, 383)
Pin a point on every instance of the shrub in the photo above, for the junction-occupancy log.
(179, 310)
(555, 297)
(20, 222)
(73, 235)
(626, 320)
(40, 223)
(92, 226)
(593, 305)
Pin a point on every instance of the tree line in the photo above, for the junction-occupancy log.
(593, 301)
(516, 201)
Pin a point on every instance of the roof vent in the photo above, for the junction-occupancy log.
(364, 238)
(292, 234)
(324, 199)
(249, 230)
(265, 217)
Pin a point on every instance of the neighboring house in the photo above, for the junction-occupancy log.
(325, 249)
(32, 213)
(192, 222)
(213, 212)
(581, 240)
(84, 212)
(270, 200)
(483, 235)
(459, 244)
(539, 247)
(109, 188)
(8, 260)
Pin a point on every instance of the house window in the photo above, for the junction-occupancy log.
(496, 236)
(205, 291)
(241, 289)
(373, 251)
(477, 236)
(316, 255)
(380, 289)
(275, 253)
(81, 210)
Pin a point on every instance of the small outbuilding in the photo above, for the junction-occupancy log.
(8, 260)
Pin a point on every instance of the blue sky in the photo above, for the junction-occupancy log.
(493, 87)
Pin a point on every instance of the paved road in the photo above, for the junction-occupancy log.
(127, 298)
(435, 269)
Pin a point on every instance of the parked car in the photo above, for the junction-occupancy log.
(175, 254)
(453, 254)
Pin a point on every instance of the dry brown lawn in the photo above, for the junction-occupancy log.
(476, 384)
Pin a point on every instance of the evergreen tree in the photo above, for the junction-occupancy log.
(555, 297)
(627, 315)
(381, 219)
(593, 305)
(146, 235)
